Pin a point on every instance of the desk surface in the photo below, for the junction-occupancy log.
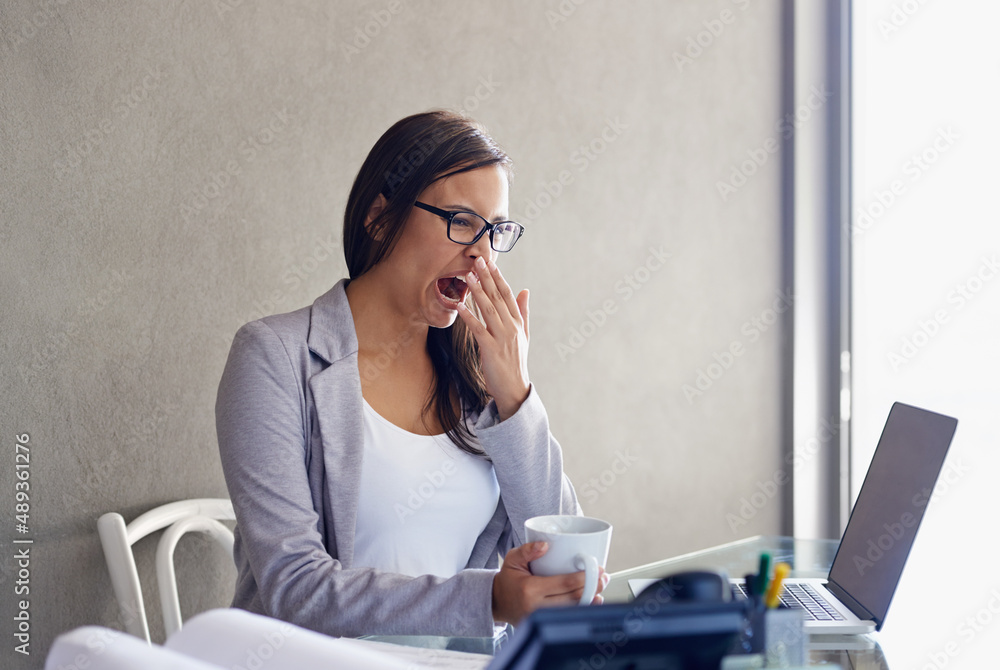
(808, 558)
(953, 625)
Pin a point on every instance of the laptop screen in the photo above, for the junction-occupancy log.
(890, 506)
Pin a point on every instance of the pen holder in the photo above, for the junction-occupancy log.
(777, 634)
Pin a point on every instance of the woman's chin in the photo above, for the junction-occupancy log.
(445, 320)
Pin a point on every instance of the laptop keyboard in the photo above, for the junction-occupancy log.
(804, 597)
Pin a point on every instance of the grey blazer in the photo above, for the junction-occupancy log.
(289, 421)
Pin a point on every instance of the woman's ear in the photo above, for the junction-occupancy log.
(374, 211)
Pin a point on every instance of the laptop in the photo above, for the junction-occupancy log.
(855, 596)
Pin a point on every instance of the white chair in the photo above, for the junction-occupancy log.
(200, 515)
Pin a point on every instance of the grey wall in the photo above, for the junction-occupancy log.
(172, 170)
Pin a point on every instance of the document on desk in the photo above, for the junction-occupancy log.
(228, 638)
(421, 657)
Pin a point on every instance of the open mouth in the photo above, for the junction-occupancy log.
(453, 289)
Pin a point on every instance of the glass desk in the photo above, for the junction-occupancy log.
(945, 614)
(808, 558)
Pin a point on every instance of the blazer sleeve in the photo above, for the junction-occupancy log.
(528, 463)
(285, 566)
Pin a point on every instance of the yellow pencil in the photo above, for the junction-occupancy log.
(781, 571)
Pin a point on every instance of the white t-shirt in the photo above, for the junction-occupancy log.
(423, 502)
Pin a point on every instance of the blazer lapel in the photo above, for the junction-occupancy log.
(336, 392)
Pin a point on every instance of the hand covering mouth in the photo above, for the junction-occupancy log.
(452, 288)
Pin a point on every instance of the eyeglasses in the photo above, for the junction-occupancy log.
(467, 227)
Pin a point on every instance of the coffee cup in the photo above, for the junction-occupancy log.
(575, 543)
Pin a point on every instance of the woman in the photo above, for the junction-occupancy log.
(384, 446)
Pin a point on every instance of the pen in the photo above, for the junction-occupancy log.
(764, 573)
(750, 584)
(773, 598)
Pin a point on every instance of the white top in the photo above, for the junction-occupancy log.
(423, 502)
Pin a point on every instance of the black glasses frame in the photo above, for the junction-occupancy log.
(487, 226)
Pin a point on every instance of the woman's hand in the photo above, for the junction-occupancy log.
(517, 593)
(502, 335)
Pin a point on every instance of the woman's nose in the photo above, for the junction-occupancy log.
(482, 248)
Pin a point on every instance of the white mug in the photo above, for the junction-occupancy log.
(575, 543)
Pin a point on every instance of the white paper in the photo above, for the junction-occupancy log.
(232, 638)
(420, 657)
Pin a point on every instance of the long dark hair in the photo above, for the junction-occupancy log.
(414, 153)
